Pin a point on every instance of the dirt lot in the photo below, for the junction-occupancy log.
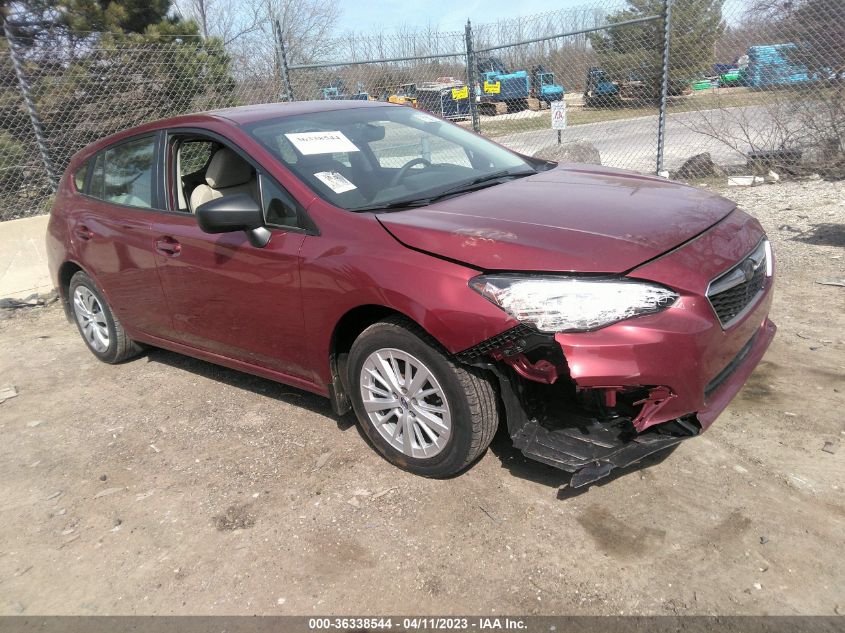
(167, 485)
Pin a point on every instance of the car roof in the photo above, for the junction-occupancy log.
(254, 113)
(240, 115)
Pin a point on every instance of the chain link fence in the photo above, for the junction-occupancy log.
(770, 97)
(56, 99)
(647, 86)
(500, 79)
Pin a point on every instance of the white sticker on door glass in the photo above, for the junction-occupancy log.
(335, 181)
(321, 142)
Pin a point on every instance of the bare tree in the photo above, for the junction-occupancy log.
(220, 19)
(195, 10)
(246, 29)
(307, 27)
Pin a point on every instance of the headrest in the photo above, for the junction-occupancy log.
(367, 132)
(227, 169)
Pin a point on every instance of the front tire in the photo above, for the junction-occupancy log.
(100, 329)
(422, 411)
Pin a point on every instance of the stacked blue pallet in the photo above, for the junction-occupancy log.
(773, 66)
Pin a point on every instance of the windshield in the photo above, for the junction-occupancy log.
(377, 157)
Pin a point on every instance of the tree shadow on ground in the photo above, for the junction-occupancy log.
(824, 234)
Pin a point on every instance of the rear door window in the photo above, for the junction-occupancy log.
(124, 174)
(95, 188)
(80, 175)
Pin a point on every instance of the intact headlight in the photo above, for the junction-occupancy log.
(568, 304)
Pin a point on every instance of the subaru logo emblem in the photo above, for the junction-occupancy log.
(748, 268)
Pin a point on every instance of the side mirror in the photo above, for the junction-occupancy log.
(238, 212)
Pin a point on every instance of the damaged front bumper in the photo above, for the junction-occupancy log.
(586, 446)
(591, 402)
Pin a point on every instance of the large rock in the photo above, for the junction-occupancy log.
(699, 166)
(577, 152)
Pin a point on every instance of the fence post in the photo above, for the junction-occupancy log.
(34, 119)
(287, 89)
(473, 107)
(664, 86)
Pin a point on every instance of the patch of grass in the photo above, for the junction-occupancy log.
(577, 114)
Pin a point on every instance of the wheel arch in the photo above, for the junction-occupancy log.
(346, 330)
(66, 272)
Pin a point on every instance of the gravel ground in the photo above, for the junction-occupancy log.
(170, 486)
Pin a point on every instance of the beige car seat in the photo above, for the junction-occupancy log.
(226, 174)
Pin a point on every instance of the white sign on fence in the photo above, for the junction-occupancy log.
(558, 115)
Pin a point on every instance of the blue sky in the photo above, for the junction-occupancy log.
(451, 15)
(368, 16)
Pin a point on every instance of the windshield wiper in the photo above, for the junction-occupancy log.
(487, 180)
(397, 204)
(482, 182)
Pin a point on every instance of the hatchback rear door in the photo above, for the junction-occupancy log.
(111, 231)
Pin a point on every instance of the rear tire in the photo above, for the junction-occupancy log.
(100, 329)
(399, 380)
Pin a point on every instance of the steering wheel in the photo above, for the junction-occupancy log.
(403, 170)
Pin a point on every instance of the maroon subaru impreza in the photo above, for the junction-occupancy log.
(432, 281)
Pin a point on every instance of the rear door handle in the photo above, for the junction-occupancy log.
(83, 232)
(168, 246)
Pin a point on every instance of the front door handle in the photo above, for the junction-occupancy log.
(83, 232)
(168, 246)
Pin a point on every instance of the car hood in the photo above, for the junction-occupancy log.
(571, 218)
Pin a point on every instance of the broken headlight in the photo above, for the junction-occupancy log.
(569, 304)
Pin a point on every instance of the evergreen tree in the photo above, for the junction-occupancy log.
(635, 51)
(97, 67)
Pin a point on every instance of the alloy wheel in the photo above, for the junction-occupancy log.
(91, 318)
(405, 403)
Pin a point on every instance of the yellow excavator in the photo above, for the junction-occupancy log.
(406, 94)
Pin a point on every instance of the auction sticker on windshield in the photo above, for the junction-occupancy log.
(321, 142)
(335, 181)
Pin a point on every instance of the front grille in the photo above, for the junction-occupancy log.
(730, 303)
(734, 292)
